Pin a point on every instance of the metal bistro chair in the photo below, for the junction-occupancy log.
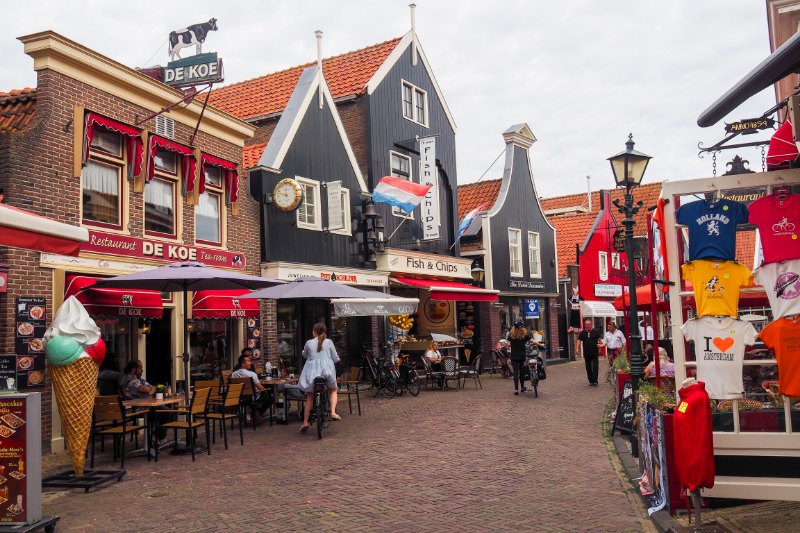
(431, 375)
(348, 386)
(195, 417)
(228, 411)
(472, 372)
(450, 372)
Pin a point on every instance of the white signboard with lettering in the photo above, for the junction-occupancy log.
(335, 212)
(349, 276)
(426, 264)
(607, 290)
(429, 176)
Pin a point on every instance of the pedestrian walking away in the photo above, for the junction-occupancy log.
(590, 339)
(518, 337)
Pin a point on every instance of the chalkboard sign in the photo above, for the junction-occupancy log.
(8, 372)
(626, 410)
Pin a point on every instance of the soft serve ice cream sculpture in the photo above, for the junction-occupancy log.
(75, 351)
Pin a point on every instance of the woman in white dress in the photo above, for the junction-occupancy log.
(320, 355)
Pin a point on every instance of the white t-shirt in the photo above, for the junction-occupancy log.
(781, 282)
(614, 340)
(719, 349)
(244, 373)
(647, 335)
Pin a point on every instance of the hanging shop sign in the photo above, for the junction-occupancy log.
(335, 211)
(195, 70)
(743, 196)
(292, 271)
(429, 176)
(619, 241)
(530, 308)
(607, 290)
(749, 126)
(31, 323)
(521, 284)
(122, 245)
(424, 264)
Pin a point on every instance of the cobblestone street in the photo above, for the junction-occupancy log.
(444, 461)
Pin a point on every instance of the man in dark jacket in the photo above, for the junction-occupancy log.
(589, 338)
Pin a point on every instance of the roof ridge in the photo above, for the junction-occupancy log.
(18, 93)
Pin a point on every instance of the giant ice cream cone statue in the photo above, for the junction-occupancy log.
(74, 351)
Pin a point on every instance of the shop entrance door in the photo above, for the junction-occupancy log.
(159, 350)
(310, 312)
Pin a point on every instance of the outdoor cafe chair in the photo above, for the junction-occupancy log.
(195, 417)
(450, 372)
(472, 371)
(431, 375)
(248, 398)
(228, 411)
(348, 386)
(215, 397)
(109, 417)
(225, 376)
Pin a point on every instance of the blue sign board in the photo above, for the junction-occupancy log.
(530, 308)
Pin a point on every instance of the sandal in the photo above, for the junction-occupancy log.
(336, 417)
(304, 428)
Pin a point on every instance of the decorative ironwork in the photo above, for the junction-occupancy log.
(738, 166)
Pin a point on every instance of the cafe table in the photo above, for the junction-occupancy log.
(275, 384)
(151, 404)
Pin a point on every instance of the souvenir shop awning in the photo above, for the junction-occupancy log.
(223, 304)
(107, 302)
(643, 299)
(374, 306)
(596, 308)
(21, 229)
(450, 290)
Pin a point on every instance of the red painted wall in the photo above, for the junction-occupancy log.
(601, 240)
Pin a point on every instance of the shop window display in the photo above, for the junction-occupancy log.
(211, 344)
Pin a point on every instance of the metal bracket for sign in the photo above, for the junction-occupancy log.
(187, 99)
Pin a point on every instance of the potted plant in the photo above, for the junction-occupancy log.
(160, 389)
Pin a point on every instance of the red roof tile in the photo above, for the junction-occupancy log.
(471, 195)
(252, 154)
(647, 193)
(571, 230)
(345, 74)
(16, 109)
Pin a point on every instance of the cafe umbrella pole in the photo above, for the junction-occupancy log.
(186, 359)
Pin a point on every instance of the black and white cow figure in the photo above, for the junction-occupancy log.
(193, 35)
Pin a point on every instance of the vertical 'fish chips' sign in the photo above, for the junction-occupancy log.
(429, 176)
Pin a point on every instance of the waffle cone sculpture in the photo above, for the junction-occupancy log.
(74, 351)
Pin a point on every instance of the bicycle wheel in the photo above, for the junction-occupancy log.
(319, 413)
(413, 383)
(388, 384)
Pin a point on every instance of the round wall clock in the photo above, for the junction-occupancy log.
(288, 194)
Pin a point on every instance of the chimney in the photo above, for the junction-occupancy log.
(318, 33)
(605, 199)
(589, 187)
(413, 8)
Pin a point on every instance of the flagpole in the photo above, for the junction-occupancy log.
(395, 230)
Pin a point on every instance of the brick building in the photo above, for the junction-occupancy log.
(85, 148)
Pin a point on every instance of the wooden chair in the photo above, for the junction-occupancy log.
(198, 408)
(109, 418)
(230, 402)
(348, 386)
(225, 376)
(472, 372)
(215, 397)
(450, 372)
(248, 398)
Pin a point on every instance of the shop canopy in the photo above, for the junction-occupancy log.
(596, 308)
(450, 290)
(21, 229)
(223, 304)
(643, 300)
(111, 302)
(383, 306)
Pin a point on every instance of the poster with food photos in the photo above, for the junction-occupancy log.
(31, 323)
(13, 470)
(253, 336)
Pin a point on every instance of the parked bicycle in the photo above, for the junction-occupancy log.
(320, 410)
(406, 376)
(378, 375)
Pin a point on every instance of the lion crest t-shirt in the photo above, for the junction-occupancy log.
(783, 337)
(712, 227)
(778, 223)
(719, 353)
(716, 285)
(781, 282)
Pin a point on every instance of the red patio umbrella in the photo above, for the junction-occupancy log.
(643, 300)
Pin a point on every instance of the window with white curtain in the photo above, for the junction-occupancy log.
(602, 259)
(101, 183)
(515, 251)
(208, 217)
(345, 207)
(415, 103)
(159, 206)
(534, 255)
(401, 168)
(308, 214)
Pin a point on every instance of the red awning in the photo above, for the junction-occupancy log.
(113, 302)
(223, 304)
(450, 290)
(21, 229)
(643, 299)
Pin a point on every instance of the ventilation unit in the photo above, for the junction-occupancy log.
(165, 127)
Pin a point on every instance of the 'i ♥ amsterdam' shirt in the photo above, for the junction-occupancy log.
(712, 227)
(716, 285)
(781, 282)
(783, 336)
(719, 352)
(778, 222)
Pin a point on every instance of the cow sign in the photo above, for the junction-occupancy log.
(192, 35)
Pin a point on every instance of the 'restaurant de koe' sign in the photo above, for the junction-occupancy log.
(122, 245)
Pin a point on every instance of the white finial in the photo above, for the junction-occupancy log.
(413, 33)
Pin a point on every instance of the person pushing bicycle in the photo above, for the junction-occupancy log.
(320, 355)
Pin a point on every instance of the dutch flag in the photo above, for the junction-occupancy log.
(400, 193)
(467, 220)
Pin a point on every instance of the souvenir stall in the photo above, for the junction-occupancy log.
(751, 376)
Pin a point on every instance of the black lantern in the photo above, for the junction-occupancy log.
(629, 166)
(144, 326)
(478, 275)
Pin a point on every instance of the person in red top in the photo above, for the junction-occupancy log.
(777, 217)
(693, 437)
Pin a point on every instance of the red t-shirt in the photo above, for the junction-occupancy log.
(778, 223)
(783, 336)
(693, 438)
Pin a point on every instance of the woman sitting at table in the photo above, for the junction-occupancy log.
(321, 356)
(666, 366)
(434, 356)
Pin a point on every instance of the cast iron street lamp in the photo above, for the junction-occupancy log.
(628, 168)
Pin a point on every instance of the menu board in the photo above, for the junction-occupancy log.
(13, 467)
(31, 323)
(254, 336)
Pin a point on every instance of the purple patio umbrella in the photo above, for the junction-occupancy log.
(183, 277)
(310, 287)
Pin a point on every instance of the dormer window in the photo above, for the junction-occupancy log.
(415, 104)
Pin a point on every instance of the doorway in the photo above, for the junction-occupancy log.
(158, 347)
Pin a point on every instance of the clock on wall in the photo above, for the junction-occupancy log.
(288, 194)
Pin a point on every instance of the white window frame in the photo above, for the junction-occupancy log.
(396, 211)
(615, 261)
(537, 272)
(416, 94)
(602, 262)
(511, 248)
(315, 185)
(118, 161)
(347, 229)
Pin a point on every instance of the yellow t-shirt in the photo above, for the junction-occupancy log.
(716, 285)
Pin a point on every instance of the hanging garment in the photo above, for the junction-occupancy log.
(719, 353)
(712, 227)
(783, 336)
(716, 285)
(778, 222)
(781, 282)
(693, 438)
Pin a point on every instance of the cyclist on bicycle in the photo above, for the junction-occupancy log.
(320, 355)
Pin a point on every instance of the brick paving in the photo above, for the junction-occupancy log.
(444, 461)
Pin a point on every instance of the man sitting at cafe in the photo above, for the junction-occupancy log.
(261, 398)
(134, 386)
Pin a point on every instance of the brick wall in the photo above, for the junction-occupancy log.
(36, 172)
(553, 345)
(355, 121)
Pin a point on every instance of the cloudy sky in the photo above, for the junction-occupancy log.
(582, 74)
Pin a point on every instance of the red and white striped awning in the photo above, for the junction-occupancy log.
(21, 229)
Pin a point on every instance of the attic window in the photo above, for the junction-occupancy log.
(415, 104)
(165, 127)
